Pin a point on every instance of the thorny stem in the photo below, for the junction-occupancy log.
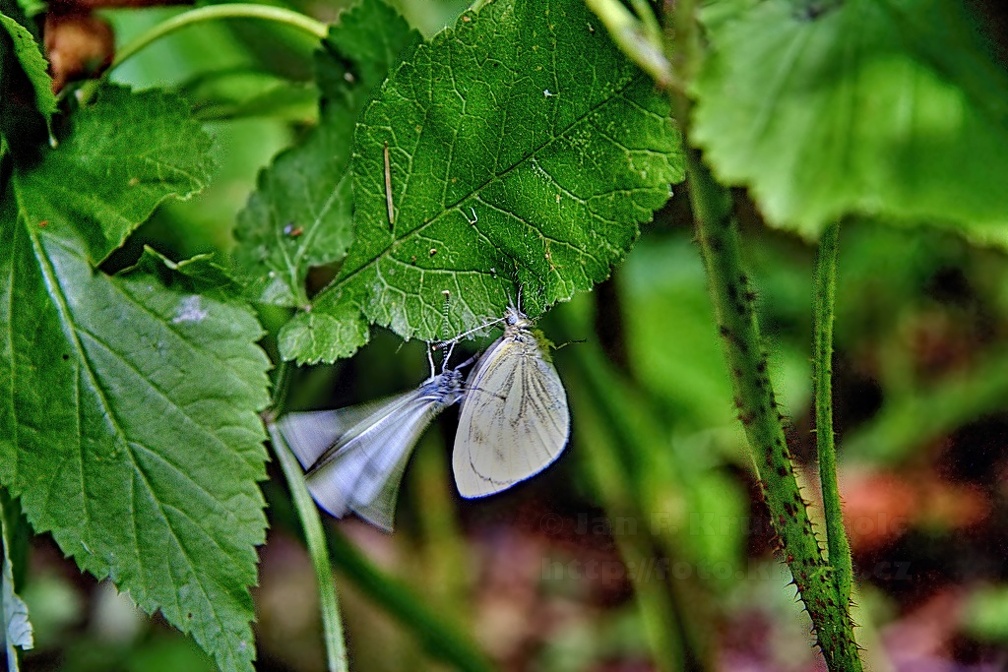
(733, 301)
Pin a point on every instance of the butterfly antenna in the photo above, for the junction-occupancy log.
(465, 334)
(447, 357)
(566, 343)
(445, 309)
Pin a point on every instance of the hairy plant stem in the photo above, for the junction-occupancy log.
(332, 622)
(734, 301)
(824, 297)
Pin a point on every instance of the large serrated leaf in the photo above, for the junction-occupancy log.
(890, 108)
(29, 55)
(301, 213)
(125, 154)
(524, 149)
(128, 422)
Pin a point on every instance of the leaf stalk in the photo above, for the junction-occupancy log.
(638, 38)
(332, 622)
(279, 15)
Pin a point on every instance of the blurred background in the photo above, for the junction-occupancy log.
(645, 547)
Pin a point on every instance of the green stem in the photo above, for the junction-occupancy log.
(647, 18)
(281, 385)
(332, 622)
(822, 361)
(754, 396)
(734, 309)
(287, 17)
(215, 12)
(437, 636)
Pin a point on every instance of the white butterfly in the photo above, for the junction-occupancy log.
(514, 420)
(355, 457)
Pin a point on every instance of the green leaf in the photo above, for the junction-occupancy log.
(884, 107)
(300, 216)
(125, 154)
(128, 421)
(34, 64)
(525, 150)
(681, 366)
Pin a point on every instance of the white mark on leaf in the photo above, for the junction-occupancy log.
(190, 310)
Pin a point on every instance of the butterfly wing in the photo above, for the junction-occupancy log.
(363, 476)
(361, 469)
(312, 434)
(514, 420)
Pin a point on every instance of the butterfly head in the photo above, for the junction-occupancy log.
(515, 320)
